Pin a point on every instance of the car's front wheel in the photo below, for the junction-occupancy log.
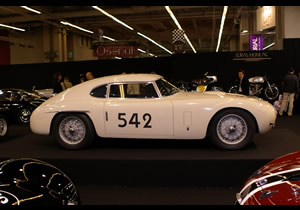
(3, 126)
(232, 129)
(23, 115)
(73, 131)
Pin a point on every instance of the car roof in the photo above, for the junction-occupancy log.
(127, 78)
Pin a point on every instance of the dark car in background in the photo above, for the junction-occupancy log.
(19, 103)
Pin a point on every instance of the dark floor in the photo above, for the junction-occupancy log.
(146, 172)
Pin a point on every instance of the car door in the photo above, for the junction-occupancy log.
(136, 110)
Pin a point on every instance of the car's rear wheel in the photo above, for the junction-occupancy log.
(3, 126)
(73, 131)
(232, 129)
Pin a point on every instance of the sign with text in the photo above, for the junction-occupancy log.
(256, 42)
(251, 56)
(116, 51)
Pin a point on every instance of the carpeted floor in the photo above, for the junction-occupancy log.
(146, 172)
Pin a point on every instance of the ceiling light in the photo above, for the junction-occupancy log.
(112, 17)
(11, 27)
(109, 38)
(179, 26)
(154, 42)
(118, 58)
(127, 26)
(31, 10)
(142, 51)
(74, 26)
(221, 26)
(270, 45)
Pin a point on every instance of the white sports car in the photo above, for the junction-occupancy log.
(148, 106)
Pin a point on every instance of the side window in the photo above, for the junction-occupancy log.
(115, 91)
(99, 92)
(142, 90)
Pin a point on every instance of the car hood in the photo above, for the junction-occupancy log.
(289, 162)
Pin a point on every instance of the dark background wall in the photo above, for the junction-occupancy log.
(176, 67)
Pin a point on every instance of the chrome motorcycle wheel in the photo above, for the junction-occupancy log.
(271, 92)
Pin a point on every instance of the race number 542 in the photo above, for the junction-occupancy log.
(134, 120)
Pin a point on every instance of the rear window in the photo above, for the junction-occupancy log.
(99, 92)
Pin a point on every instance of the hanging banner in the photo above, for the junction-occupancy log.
(256, 42)
(116, 50)
(178, 41)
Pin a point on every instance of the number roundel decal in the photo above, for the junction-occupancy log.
(8, 198)
(134, 120)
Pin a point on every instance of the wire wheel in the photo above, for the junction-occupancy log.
(232, 129)
(72, 130)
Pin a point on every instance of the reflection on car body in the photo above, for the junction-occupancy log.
(28, 182)
(276, 183)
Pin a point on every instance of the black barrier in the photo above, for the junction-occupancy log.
(175, 67)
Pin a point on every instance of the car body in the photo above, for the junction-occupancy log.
(4, 113)
(148, 106)
(276, 183)
(20, 103)
(29, 182)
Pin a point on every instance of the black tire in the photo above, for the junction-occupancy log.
(3, 126)
(240, 123)
(23, 115)
(79, 126)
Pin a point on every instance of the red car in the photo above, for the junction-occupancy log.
(276, 183)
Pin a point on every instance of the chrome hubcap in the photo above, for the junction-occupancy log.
(232, 129)
(72, 130)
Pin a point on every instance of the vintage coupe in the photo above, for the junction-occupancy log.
(148, 106)
(276, 183)
(21, 103)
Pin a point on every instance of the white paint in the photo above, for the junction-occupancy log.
(167, 112)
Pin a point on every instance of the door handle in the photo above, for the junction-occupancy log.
(106, 116)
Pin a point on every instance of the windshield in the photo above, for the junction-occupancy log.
(166, 88)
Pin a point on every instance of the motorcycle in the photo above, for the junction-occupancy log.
(260, 86)
(205, 83)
